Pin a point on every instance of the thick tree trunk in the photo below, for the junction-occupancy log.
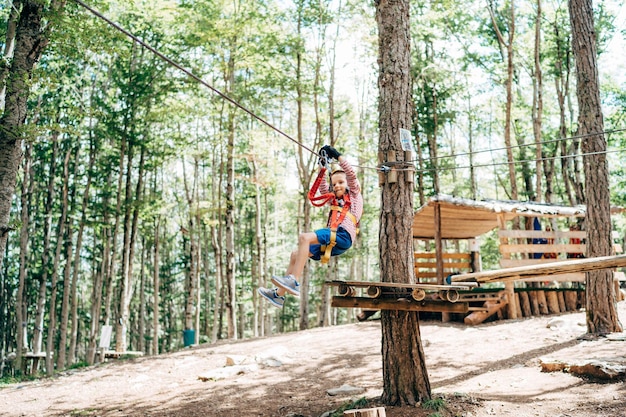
(599, 290)
(405, 377)
(31, 38)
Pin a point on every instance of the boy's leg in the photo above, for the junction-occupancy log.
(297, 259)
(302, 253)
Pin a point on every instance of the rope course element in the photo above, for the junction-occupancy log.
(189, 73)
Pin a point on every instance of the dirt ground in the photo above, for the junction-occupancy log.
(491, 369)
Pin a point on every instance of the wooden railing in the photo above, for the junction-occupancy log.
(535, 247)
(426, 265)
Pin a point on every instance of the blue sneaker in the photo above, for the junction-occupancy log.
(288, 283)
(271, 296)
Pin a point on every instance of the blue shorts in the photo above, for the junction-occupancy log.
(343, 242)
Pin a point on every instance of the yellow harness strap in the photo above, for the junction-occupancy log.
(327, 249)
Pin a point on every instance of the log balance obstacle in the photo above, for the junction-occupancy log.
(528, 301)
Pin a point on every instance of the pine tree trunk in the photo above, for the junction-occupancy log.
(156, 285)
(43, 281)
(192, 273)
(508, 46)
(537, 110)
(52, 311)
(599, 290)
(141, 339)
(20, 305)
(125, 288)
(77, 258)
(405, 377)
(65, 306)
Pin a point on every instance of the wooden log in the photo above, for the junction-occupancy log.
(552, 302)
(511, 308)
(561, 298)
(553, 268)
(543, 304)
(477, 317)
(518, 306)
(534, 303)
(366, 412)
(571, 300)
(525, 304)
(366, 303)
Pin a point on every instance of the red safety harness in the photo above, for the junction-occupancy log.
(337, 213)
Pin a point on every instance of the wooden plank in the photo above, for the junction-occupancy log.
(541, 234)
(489, 309)
(544, 248)
(401, 305)
(512, 263)
(553, 268)
(446, 265)
(447, 255)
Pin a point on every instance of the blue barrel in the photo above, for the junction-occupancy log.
(189, 337)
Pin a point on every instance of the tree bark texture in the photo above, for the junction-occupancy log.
(600, 293)
(31, 38)
(405, 377)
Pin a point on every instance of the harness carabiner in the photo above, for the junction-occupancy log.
(324, 160)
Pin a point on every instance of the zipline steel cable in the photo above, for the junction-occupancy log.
(189, 73)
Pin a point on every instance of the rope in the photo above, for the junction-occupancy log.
(189, 73)
(527, 144)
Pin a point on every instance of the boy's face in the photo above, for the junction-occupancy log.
(339, 183)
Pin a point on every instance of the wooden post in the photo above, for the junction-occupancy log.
(552, 302)
(534, 304)
(445, 317)
(571, 300)
(525, 304)
(561, 299)
(366, 412)
(518, 306)
(410, 170)
(543, 304)
(392, 176)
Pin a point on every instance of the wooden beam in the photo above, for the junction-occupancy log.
(553, 268)
(438, 244)
(402, 305)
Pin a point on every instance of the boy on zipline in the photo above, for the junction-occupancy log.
(346, 209)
